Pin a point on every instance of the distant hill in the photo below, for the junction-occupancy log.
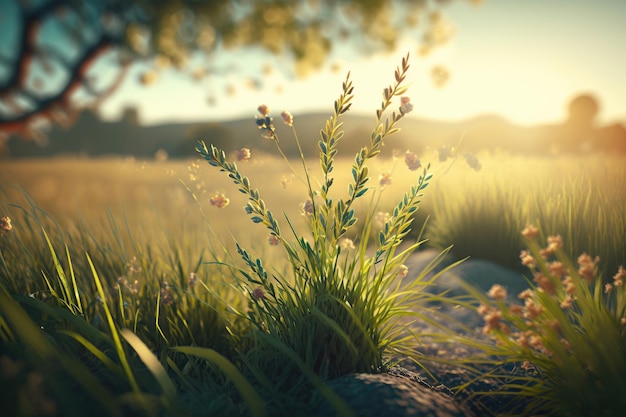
(94, 137)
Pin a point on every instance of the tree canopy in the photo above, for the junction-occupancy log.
(58, 56)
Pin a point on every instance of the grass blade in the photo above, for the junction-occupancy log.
(249, 395)
(152, 363)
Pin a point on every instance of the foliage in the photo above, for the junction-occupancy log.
(148, 323)
(112, 34)
(120, 319)
(337, 310)
(482, 215)
(569, 335)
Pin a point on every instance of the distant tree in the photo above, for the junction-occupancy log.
(582, 111)
(579, 130)
(57, 56)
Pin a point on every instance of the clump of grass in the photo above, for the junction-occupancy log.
(567, 335)
(481, 214)
(101, 327)
(337, 310)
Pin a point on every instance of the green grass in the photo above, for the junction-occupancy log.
(566, 335)
(122, 286)
(579, 197)
(146, 311)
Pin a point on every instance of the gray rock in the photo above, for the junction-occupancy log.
(397, 393)
(479, 273)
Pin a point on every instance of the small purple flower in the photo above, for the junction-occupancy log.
(405, 105)
(411, 161)
(192, 280)
(287, 118)
(243, 154)
(258, 293)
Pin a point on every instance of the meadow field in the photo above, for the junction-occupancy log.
(480, 213)
(141, 282)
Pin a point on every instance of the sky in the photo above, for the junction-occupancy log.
(520, 59)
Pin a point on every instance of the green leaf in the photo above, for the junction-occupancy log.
(153, 365)
(249, 395)
(337, 402)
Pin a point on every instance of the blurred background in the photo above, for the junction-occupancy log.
(519, 106)
(134, 78)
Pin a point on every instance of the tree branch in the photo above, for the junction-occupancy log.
(44, 107)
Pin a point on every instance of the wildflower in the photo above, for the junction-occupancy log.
(557, 269)
(527, 366)
(384, 179)
(403, 271)
(587, 267)
(568, 285)
(346, 244)
(533, 310)
(263, 110)
(567, 302)
(472, 161)
(622, 322)
(554, 244)
(166, 295)
(192, 279)
(482, 309)
(608, 288)
(536, 342)
(504, 328)
(411, 161)
(522, 339)
(497, 292)
(307, 208)
(287, 118)
(527, 259)
(273, 239)
(526, 294)
(243, 154)
(492, 319)
(530, 232)
(258, 293)
(381, 217)
(268, 133)
(122, 283)
(405, 105)
(618, 279)
(193, 168)
(544, 283)
(5, 225)
(133, 266)
(264, 123)
(219, 200)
